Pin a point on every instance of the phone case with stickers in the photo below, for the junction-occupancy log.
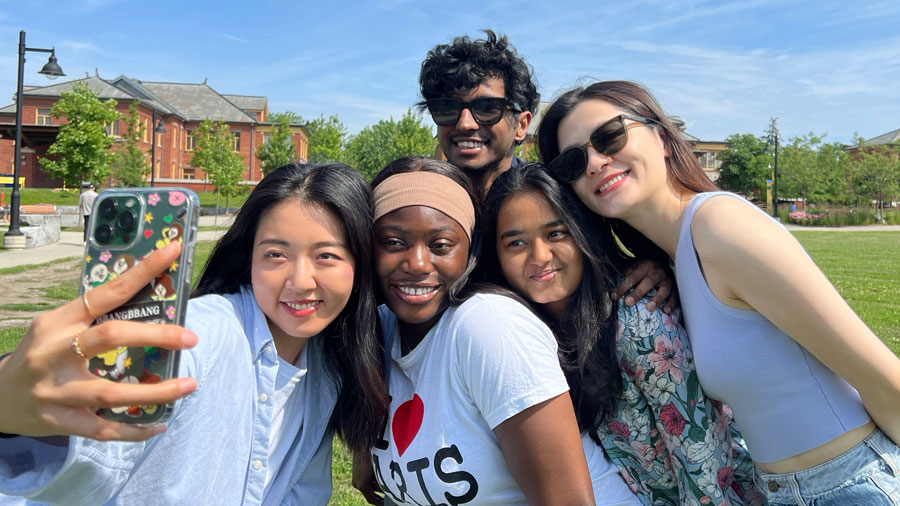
(127, 225)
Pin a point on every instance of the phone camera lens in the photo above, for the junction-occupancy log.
(108, 208)
(126, 221)
(104, 233)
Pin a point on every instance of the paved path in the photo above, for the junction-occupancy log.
(71, 245)
(854, 228)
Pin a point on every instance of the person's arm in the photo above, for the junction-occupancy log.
(363, 478)
(762, 266)
(47, 388)
(542, 447)
(644, 276)
(507, 361)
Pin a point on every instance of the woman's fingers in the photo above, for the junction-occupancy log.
(83, 422)
(101, 393)
(119, 333)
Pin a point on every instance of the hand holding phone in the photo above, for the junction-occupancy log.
(47, 389)
(126, 226)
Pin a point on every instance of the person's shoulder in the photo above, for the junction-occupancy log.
(213, 313)
(492, 307)
(728, 221)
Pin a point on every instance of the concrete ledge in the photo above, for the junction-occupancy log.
(34, 220)
(68, 216)
(40, 235)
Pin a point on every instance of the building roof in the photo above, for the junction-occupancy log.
(198, 102)
(888, 138)
(248, 102)
(189, 101)
(101, 87)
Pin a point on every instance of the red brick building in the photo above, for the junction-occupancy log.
(181, 107)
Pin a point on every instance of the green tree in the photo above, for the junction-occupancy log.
(81, 150)
(745, 165)
(813, 169)
(875, 172)
(327, 137)
(377, 145)
(833, 160)
(130, 165)
(799, 175)
(292, 117)
(278, 150)
(214, 154)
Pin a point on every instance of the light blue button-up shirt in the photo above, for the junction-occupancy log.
(216, 448)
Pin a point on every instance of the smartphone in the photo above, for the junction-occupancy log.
(126, 225)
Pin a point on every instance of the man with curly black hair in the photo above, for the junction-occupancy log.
(482, 95)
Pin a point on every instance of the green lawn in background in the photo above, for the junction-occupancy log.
(69, 197)
(865, 269)
(54, 196)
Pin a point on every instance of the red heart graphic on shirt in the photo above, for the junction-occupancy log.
(148, 233)
(406, 423)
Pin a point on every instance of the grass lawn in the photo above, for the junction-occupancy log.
(865, 269)
(864, 266)
(69, 197)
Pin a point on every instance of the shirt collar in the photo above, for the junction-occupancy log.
(256, 326)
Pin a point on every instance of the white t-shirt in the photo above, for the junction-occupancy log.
(482, 363)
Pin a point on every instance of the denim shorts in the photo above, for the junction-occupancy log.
(866, 475)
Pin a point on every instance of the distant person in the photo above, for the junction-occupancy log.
(85, 205)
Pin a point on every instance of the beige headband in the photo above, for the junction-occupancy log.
(428, 189)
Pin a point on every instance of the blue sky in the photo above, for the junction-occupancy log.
(823, 66)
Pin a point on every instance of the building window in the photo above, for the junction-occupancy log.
(159, 140)
(187, 173)
(43, 116)
(188, 140)
(146, 129)
(266, 138)
(112, 129)
(236, 143)
(708, 161)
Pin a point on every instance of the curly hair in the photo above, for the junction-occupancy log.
(458, 67)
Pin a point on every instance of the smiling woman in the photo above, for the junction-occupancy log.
(762, 316)
(283, 354)
(473, 377)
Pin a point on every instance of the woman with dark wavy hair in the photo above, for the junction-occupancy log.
(629, 369)
(286, 354)
(814, 391)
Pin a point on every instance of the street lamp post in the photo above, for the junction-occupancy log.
(775, 181)
(158, 129)
(14, 239)
(773, 139)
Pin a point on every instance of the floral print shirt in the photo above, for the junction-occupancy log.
(672, 444)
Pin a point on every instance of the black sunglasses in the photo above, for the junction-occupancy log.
(485, 110)
(607, 139)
